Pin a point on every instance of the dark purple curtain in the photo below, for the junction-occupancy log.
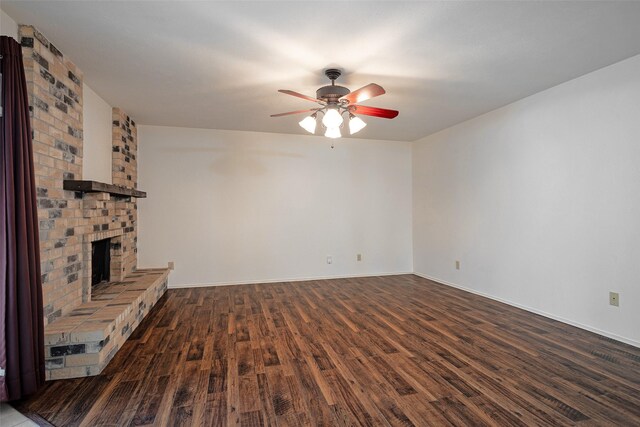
(22, 329)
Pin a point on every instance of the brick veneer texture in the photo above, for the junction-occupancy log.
(125, 173)
(55, 97)
(66, 219)
(125, 149)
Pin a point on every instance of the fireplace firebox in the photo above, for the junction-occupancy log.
(100, 261)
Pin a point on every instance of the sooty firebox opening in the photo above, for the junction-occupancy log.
(100, 261)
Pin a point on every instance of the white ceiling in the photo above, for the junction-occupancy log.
(219, 64)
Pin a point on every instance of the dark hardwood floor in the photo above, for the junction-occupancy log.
(395, 350)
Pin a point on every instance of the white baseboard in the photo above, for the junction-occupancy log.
(295, 279)
(536, 311)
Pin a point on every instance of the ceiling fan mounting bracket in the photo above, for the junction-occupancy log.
(332, 74)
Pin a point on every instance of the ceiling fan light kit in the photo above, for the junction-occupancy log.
(332, 118)
(338, 100)
(333, 133)
(309, 123)
(356, 124)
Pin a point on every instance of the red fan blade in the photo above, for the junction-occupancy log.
(373, 111)
(366, 92)
(299, 95)
(294, 112)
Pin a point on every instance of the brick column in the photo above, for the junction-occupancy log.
(55, 98)
(125, 173)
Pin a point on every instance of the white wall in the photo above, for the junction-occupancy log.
(540, 201)
(97, 143)
(8, 27)
(233, 207)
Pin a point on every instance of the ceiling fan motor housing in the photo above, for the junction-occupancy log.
(332, 93)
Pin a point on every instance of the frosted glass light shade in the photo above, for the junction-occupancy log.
(333, 132)
(356, 124)
(308, 124)
(332, 118)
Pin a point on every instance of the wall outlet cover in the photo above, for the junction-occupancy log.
(614, 299)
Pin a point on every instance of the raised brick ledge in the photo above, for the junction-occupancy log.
(83, 342)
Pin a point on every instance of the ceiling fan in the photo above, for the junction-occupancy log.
(337, 100)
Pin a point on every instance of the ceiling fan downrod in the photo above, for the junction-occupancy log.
(332, 74)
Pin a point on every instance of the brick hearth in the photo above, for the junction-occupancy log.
(83, 342)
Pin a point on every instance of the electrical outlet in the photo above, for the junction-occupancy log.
(329, 260)
(170, 265)
(359, 257)
(614, 299)
(457, 265)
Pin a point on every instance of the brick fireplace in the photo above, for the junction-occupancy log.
(83, 328)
